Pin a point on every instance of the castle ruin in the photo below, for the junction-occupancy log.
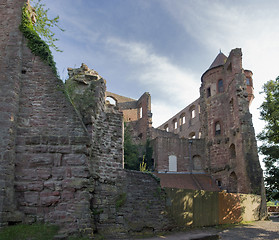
(61, 145)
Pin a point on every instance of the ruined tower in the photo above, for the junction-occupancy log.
(226, 92)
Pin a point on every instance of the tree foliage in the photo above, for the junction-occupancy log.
(136, 155)
(44, 25)
(270, 137)
(34, 41)
(131, 151)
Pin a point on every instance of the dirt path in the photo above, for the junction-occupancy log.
(261, 230)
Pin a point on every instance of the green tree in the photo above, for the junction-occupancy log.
(43, 24)
(131, 152)
(270, 137)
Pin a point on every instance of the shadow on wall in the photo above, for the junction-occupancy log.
(204, 208)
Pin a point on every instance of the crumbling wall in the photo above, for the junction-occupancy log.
(136, 113)
(115, 188)
(189, 154)
(52, 173)
(185, 123)
(45, 162)
(140, 207)
(231, 152)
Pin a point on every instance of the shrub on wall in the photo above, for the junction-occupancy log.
(34, 41)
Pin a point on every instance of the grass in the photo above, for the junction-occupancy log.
(271, 204)
(29, 232)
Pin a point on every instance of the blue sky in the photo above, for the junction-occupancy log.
(164, 46)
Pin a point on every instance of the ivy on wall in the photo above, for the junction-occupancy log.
(34, 41)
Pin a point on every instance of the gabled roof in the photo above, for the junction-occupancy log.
(219, 60)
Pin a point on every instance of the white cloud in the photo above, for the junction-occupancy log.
(227, 25)
(171, 87)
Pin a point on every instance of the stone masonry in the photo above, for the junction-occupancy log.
(61, 145)
(61, 152)
(220, 122)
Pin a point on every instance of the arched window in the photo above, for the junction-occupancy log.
(232, 183)
(172, 163)
(174, 123)
(208, 92)
(192, 135)
(140, 112)
(193, 111)
(248, 81)
(197, 163)
(217, 128)
(111, 101)
(200, 134)
(220, 86)
(182, 119)
(232, 151)
(166, 127)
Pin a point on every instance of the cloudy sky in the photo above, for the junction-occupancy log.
(164, 46)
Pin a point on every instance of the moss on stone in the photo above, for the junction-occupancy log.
(34, 41)
(121, 200)
(82, 97)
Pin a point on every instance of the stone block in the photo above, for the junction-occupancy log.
(58, 173)
(33, 140)
(82, 172)
(44, 173)
(74, 159)
(43, 159)
(49, 198)
(31, 198)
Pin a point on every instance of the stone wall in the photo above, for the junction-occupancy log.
(52, 166)
(136, 113)
(45, 158)
(231, 153)
(137, 208)
(185, 123)
(115, 188)
(189, 153)
(11, 71)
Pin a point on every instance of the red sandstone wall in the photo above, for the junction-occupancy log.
(10, 72)
(231, 109)
(44, 146)
(191, 124)
(137, 113)
(52, 152)
(186, 151)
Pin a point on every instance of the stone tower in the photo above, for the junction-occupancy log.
(226, 92)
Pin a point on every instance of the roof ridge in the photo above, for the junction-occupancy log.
(220, 60)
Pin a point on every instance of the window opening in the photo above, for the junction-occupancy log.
(208, 92)
(192, 135)
(182, 119)
(175, 124)
(220, 86)
(111, 101)
(218, 182)
(232, 151)
(193, 113)
(166, 127)
(140, 112)
(217, 128)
